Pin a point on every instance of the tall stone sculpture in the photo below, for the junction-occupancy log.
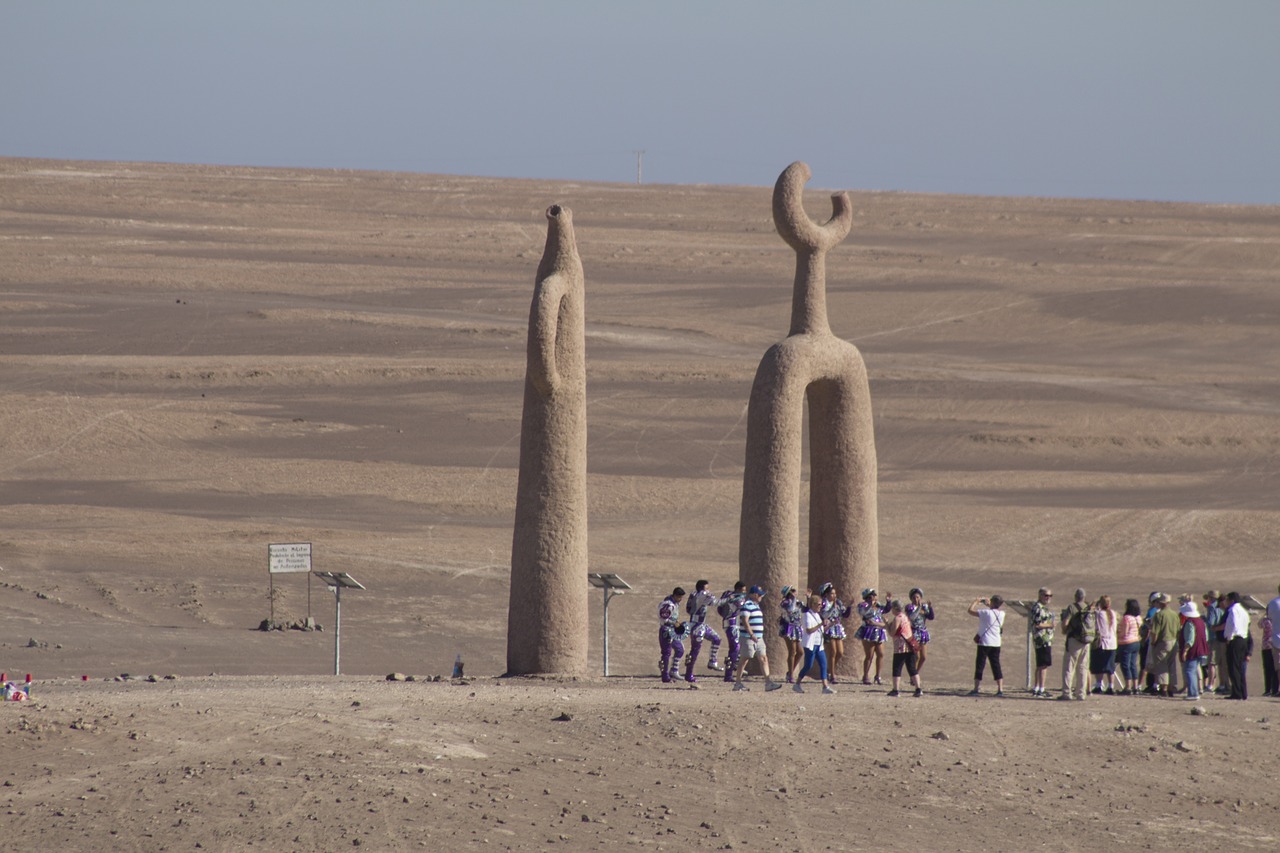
(812, 362)
(547, 613)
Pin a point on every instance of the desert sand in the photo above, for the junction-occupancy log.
(199, 361)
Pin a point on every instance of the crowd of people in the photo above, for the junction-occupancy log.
(812, 625)
(1190, 649)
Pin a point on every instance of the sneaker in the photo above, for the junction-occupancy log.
(1097, 691)
(973, 692)
(892, 693)
(919, 692)
(796, 688)
(828, 691)
(1110, 691)
(738, 685)
(771, 685)
(999, 694)
(1065, 697)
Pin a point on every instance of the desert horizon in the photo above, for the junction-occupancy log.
(200, 361)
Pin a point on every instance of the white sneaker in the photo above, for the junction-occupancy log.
(772, 685)
(738, 685)
(827, 690)
(796, 688)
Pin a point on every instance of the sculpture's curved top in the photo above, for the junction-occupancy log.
(811, 242)
(795, 226)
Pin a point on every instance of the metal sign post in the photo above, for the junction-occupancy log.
(612, 585)
(337, 581)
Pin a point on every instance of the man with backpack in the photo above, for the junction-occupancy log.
(1080, 625)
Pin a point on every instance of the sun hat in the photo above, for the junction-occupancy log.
(1154, 597)
(787, 590)
(1189, 609)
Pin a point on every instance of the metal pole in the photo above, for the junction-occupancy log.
(606, 632)
(337, 628)
(1030, 617)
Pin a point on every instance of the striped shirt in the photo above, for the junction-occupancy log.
(751, 619)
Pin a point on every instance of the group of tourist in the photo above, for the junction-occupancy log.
(1104, 651)
(1209, 651)
(812, 626)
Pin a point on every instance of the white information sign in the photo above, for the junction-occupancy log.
(282, 559)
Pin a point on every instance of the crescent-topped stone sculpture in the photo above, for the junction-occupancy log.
(811, 362)
(547, 613)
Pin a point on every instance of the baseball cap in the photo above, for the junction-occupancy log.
(755, 590)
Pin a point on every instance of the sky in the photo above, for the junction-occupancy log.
(1167, 100)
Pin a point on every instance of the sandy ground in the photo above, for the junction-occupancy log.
(199, 361)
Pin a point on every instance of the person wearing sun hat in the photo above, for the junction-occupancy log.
(1193, 646)
(1162, 660)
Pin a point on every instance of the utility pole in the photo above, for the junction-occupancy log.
(640, 166)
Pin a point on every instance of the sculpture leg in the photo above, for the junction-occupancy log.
(842, 497)
(769, 539)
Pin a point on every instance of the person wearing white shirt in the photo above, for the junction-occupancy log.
(1235, 633)
(990, 626)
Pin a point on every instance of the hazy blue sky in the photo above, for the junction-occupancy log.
(1150, 99)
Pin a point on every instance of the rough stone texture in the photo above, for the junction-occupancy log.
(547, 614)
(811, 362)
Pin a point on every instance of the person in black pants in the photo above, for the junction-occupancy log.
(1235, 632)
(990, 626)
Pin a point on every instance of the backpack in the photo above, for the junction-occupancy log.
(725, 608)
(1083, 624)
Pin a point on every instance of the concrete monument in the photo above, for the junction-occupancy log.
(811, 362)
(547, 613)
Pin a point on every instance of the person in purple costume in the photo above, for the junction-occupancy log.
(699, 630)
(670, 635)
(872, 633)
(919, 612)
(727, 606)
(833, 612)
